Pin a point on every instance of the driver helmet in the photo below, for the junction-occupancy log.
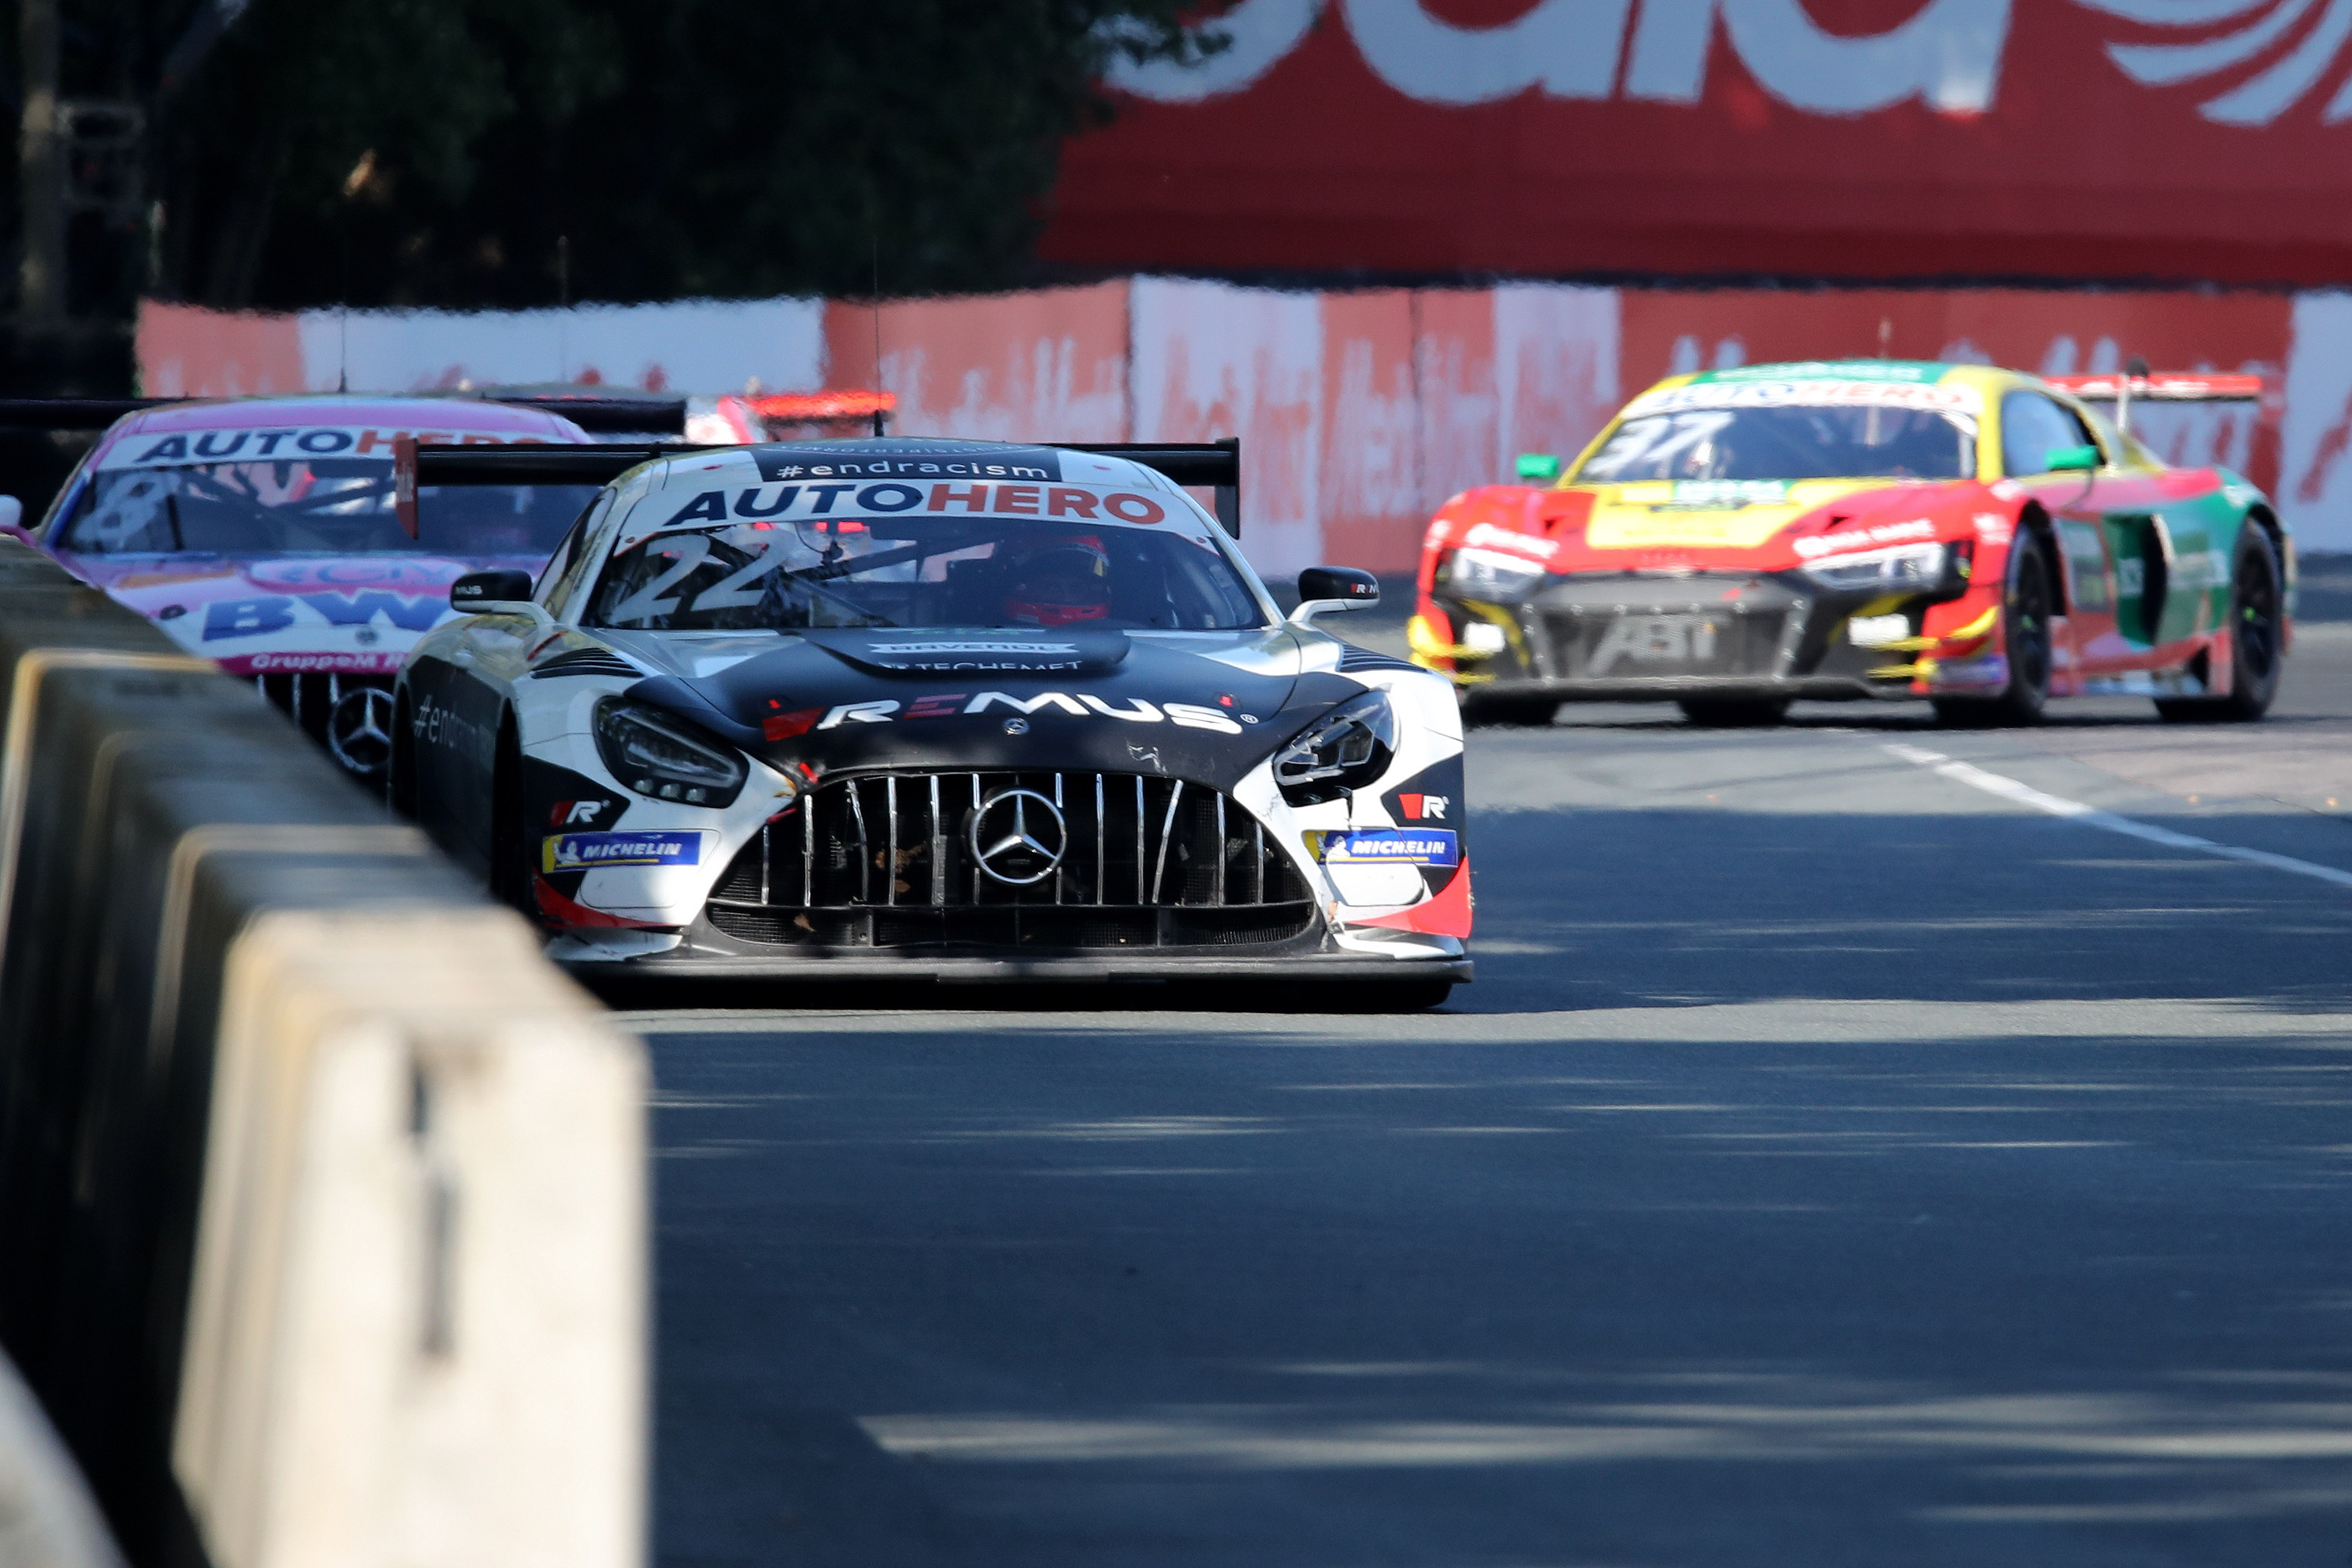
(1059, 582)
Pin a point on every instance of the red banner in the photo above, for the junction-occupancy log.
(2120, 139)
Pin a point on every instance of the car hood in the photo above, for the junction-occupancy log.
(1707, 526)
(1206, 706)
(1708, 514)
(267, 614)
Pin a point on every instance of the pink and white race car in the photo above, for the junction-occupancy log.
(262, 534)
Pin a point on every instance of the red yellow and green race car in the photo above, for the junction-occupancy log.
(1739, 539)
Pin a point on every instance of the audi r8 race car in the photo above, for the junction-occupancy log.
(929, 707)
(262, 534)
(1736, 539)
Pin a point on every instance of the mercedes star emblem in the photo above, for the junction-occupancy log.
(1018, 837)
(358, 730)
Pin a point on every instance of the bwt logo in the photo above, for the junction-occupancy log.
(1947, 55)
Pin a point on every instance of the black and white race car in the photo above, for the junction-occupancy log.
(865, 709)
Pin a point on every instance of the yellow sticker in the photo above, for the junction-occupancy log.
(1653, 515)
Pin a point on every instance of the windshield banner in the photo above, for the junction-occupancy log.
(1807, 394)
(181, 448)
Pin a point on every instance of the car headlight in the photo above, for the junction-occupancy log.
(1346, 750)
(1484, 637)
(655, 755)
(1892, 569)
(1488, 574)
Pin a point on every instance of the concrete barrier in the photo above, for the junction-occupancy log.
(321, 1192)
(423, 1186)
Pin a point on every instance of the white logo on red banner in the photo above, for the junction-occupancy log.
(1947, 55)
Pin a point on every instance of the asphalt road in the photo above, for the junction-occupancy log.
(1840, 1159)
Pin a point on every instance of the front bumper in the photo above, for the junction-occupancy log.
(1315, 968)
(1632, 637)
(873, 876)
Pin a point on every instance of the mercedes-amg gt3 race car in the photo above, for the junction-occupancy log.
(894, 707)
(1736, 539)
(261, 533)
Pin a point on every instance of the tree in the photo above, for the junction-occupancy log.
(455, 151)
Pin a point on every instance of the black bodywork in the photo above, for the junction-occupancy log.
(1138, 743)
(877, 855)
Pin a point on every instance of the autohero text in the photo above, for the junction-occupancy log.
(1065, 502)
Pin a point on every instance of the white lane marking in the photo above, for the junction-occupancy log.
(2091, 816)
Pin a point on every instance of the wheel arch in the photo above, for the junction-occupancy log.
(510, 872)
(402, 781)
(2260, 515)
(2034, 523)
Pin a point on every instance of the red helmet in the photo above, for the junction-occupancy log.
(1057, 584)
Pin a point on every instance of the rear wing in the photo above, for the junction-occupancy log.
(1211, 464)
(2137, 381)
(592, 411)
(654, 416)
(820, 407)
(1216, 465)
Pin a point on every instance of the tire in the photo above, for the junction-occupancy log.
(2256, 621)
(400, 782)
(510, 855)
(1734, 713)
(1535, 712)
(2025, 612)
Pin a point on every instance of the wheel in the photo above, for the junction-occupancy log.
(2255, 622)
(510, 839)
(1734, 713)
(1534, 711)
(401, 780)
(2025, 636)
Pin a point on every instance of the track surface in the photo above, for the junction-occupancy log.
(1836, 1163)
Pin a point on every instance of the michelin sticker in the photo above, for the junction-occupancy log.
(1390, 846)
(586, 852)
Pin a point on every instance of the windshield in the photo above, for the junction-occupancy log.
(1847, 442)
(327, 506)
(987, 571)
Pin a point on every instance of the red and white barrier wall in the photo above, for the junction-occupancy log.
(1359, 411)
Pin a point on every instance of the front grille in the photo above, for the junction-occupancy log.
(351, 715)
(887, 861)
(1596, 642)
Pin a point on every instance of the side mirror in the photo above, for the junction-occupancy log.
(1539, 467)
(505, 592)
(11, 519)
(2072, 459)
(1322, 588)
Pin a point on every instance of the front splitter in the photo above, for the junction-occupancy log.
(1668, 688)
(1319, 969)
